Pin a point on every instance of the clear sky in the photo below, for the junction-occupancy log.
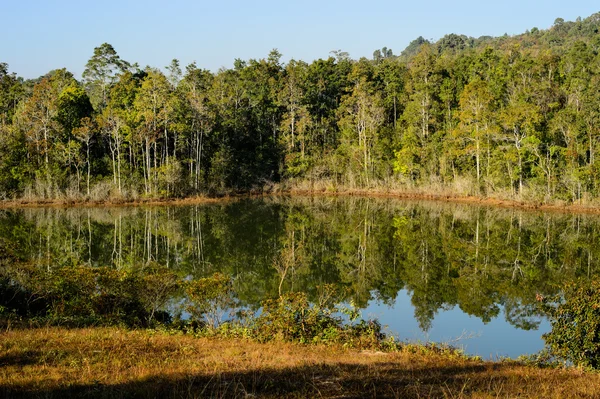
(41, 35)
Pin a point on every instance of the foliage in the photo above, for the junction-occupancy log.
(209, 299)
(507, 117)
(84, 295)
(78, 296)
(291, 317)
(575, 319)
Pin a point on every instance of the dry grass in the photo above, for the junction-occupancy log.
(589, 207)
(108, 362)
(460, 191)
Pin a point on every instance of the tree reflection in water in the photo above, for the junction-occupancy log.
(483, 260)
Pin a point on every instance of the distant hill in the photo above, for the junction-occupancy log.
(558, 38)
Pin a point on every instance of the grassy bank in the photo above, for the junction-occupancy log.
(442, 194)
(111, 362)
(529, 200)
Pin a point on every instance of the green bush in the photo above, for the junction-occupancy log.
(209, 299)
(82, 295)
(575, 320)
(292, 318)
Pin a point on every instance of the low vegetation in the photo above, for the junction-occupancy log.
(103, 332)
(157, 298)
(111, 362)
(575, 318)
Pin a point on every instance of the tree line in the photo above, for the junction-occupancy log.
(511, 116)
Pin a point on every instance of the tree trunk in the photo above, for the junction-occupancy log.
(88, 167)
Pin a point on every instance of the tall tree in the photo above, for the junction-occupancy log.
(152, 106)
(475, 123)
(296, 120)
(196, 87)
(11, 92)
(362, 116)
(101, 72)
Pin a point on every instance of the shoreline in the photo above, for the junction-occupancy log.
(457, 199)
(367, 193)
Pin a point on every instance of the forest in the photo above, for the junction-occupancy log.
(508, 117)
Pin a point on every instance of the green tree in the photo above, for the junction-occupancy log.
(296, 120)
(101, 72)
(362, 115)
(196, 86)
(475, 121)
(11, 92)
(153, 112)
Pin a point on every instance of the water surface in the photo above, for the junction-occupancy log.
(456, 273)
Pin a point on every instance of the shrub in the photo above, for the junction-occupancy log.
(209, 299)
(292, 318)
(575, 320)
(159, 286)
(83, 295)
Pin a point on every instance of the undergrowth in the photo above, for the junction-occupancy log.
(159, 299)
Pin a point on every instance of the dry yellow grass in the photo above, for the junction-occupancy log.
(502, 201)
(109, 362)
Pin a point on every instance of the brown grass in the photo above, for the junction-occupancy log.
(558, 206)
(589, 207)
(109, 362)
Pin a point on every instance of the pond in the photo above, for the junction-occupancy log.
(461, 274)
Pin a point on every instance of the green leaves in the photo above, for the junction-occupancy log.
(575, 319)
(73, 105)
(454, 115)
(84, 295)
(208, 297)
(100, 73)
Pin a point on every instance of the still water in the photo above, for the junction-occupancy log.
(461, 274)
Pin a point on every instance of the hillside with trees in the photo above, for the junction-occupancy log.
(509, 117)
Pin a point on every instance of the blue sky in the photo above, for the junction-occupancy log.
(41, 35)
